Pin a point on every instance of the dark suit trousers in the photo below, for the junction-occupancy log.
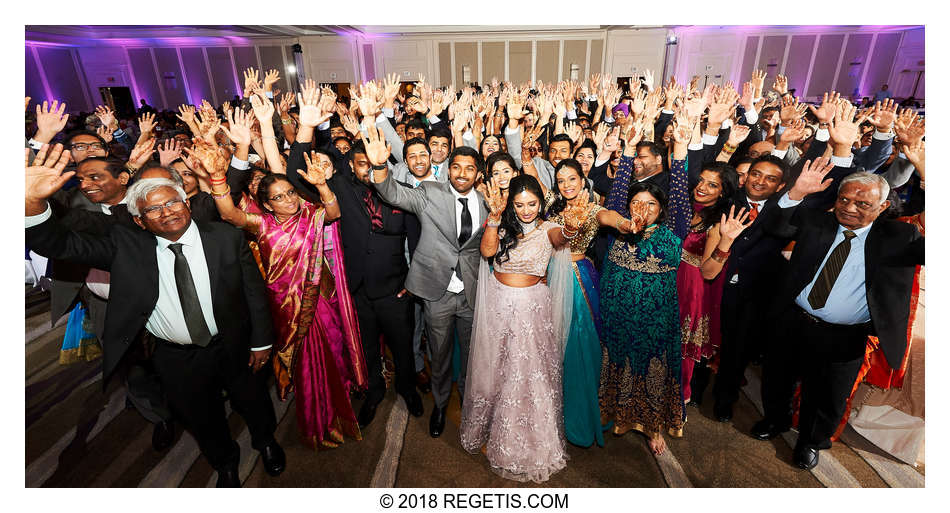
(744, 332)
(827, 358)
(391, 317)
(193, 378)
(143, 388)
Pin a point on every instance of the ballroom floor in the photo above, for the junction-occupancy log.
(78, 435)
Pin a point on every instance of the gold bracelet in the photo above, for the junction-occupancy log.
(720, 255)
(328, 203)
(728, 148)
(222, 195)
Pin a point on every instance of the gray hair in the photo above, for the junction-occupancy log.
(175, 175)
(146, 186)
(868, 179)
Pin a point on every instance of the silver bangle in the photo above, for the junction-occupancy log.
(563, 234)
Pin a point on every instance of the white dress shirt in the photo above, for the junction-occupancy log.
(455, 284)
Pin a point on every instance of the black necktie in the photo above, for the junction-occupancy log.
(829, 273)
(466, 230)
(190, 306)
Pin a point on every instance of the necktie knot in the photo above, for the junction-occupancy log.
(176, 248)
(848, 235)
(464, 202)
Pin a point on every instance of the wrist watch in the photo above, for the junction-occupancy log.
(380, 167)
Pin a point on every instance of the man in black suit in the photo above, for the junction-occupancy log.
(195, 288)
(374, 238)
(850, 275)
(755, 259)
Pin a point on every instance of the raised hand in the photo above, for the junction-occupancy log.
(186, 113)
(377, 151)
(146, 123)
(632, 132)
(251, 81)
(723, 106)
(781, 84)
(793, 132)
(496, 199)
(792, 110)
(915, 155)
(105, 133)
(50, 120)
(909, 127)
(350, 124)
(209, 157)
(600, 135)
(208, 125)
(263, 108)
(885, 113)
(829, 105)
(574, 131)
(327, 101)
(648, 79)
(639, 103)
(168, 151)
(286, 102)
(26, 103)
(812, 179)
(758, 81)
(737, 134)
(390, 90)
(748, 95)
(141, 153)
(270, 79)
(107, 117)
(844, 128)
(732, 226)
(310, 114)
(576, 212)
(318, 170)
(45, 176)
(240, 123)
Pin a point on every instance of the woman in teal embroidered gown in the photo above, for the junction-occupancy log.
(640, 378)
(582, 354)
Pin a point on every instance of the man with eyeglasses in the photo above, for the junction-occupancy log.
(196, 288)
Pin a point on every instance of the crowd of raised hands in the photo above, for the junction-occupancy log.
(612, 118)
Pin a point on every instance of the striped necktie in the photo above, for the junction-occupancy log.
(829, 273)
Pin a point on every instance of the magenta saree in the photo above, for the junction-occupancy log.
(318, 352)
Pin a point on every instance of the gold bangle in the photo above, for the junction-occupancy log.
(720, 255)
(222, 195)
(328, 203)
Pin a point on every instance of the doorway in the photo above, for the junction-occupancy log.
(119, 99)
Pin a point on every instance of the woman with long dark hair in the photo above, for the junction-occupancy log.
(582, 354)
(517, 338)
(699, 298)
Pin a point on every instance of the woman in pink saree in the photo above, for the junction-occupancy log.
(317, 352)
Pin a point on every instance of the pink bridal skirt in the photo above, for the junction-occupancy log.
(513, 398)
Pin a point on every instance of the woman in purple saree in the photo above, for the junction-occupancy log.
(318, 353)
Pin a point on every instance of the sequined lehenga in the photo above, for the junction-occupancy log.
(512, 403)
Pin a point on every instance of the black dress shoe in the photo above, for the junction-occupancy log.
(163, 434)
(423, 383)
(414, 404)
(274, 459)
(722, 411)
(766, 430)
(228, 477)
(367, 412)
(806, 457)
(437, 422)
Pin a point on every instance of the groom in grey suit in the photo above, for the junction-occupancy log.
(444, 266)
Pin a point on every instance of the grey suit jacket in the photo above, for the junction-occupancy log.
(438, 253)
(545, 169)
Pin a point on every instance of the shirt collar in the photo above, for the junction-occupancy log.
(760, 203)
(189, 238)
(107, 209)
(861, 233)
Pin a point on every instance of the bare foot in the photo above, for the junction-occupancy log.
(657, 445)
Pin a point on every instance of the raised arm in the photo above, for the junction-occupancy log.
(496, 204)
(50, 121)
(264, 112)
(720, 241)
(215, 163)
(680, 210)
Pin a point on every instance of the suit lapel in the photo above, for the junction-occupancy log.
(212, 258)
(872, 247)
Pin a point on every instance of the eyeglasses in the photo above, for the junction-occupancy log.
(156, 211)
(290, 194)
(87, 146)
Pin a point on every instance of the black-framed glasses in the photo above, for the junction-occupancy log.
(87, 146)
(156, 211)
(290, 194)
